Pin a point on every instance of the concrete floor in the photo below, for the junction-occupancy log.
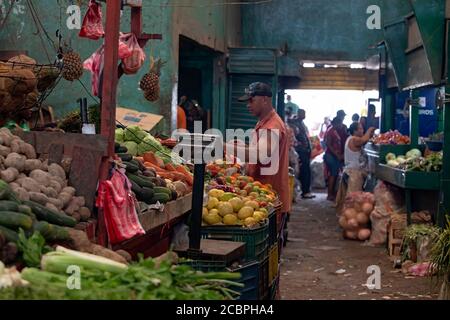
(316, 250)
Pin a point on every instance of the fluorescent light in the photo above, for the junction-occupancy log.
(308, 65)
(356, 66)
(330, 66)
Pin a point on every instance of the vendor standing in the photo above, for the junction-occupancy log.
(269, 144)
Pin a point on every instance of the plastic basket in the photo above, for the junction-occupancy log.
(206, 266)
(250, 278)
(273, 263)
(264, 280)
(256, 239)
(273, 290)
(273, 229)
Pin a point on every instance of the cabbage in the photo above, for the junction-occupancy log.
(413, 153)
(132, 147)
(119, 135)
(135, 133)
(401, 159)
(393, 163)
(390, 156)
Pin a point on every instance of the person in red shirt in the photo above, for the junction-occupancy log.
(334, 156)
(270, 142)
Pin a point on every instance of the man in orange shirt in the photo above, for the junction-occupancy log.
(270, 144)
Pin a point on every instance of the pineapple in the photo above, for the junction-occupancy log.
(73, 66)
(150, 81)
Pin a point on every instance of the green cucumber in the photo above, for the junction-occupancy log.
(163, 190)
(9, 234)
(125, 156)
(121, 149)
(161, 197)
(130, 167)
(7, 205)
(44, 213)
(147, 194)
(52, 232)
(142, 181)
(25, 210)
(15, 220)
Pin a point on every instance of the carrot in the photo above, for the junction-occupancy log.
(188, 177)
(167, 175)
(154, 166)
(170, 167)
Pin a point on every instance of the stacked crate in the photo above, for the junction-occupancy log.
(396, 230)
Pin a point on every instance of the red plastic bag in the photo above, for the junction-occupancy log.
(92, 26)
(118, 203)
(134, 62)
(95, 64)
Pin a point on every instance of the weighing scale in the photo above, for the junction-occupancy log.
(228, 252)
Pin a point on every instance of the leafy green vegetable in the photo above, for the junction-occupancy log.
(132, 147)
(144, 280)
(119, 135)
(134, 133)
(32, 248)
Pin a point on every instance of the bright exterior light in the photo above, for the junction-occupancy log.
(308, 65)
(330, 66)
(356, 66)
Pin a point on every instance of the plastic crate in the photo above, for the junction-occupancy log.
(264, 280)
(206, 266)
(273, 229)
(250, 278)
(256, 239)
(273, 290)
(273, 263)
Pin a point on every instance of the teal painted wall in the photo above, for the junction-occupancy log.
(313, 29)
(209, 26)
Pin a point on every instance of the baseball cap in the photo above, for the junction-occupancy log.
(256, 89)
(341, 113)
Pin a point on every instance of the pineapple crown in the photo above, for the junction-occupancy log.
(156, 65)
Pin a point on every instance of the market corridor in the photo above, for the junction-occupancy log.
(318, 263)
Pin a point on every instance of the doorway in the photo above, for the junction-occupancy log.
(195, 82)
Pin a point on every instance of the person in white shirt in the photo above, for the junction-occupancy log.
(355, 162)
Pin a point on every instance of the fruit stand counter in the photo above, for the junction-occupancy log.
(158, 226)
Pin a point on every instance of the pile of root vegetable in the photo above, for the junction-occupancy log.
(35, 199)
(355, 218)
(36, 180)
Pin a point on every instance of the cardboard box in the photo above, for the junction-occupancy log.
(144, 120)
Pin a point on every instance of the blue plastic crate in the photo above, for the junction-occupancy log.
(250, 278)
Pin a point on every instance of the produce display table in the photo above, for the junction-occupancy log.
(376, 152)
(158, 228)
(409, 181)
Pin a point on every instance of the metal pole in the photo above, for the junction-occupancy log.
(197, 207)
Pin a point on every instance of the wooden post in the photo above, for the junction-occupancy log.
(109, 91)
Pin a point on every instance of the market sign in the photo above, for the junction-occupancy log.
(144, 120)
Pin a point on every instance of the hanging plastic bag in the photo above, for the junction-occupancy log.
(134, 62)
(118, 203)
(95, 64)
(92, 27)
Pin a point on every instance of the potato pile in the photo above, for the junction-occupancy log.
(355, 217)
(33, 179)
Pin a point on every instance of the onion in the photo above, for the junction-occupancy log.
(364, 234)
(357, 206)
(351, 235)
(350, 213)
(362, 218)
(352, 224)
(343, 222)
(367, 207)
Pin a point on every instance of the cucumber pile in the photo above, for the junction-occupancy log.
(30, 216)
(146, 185)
